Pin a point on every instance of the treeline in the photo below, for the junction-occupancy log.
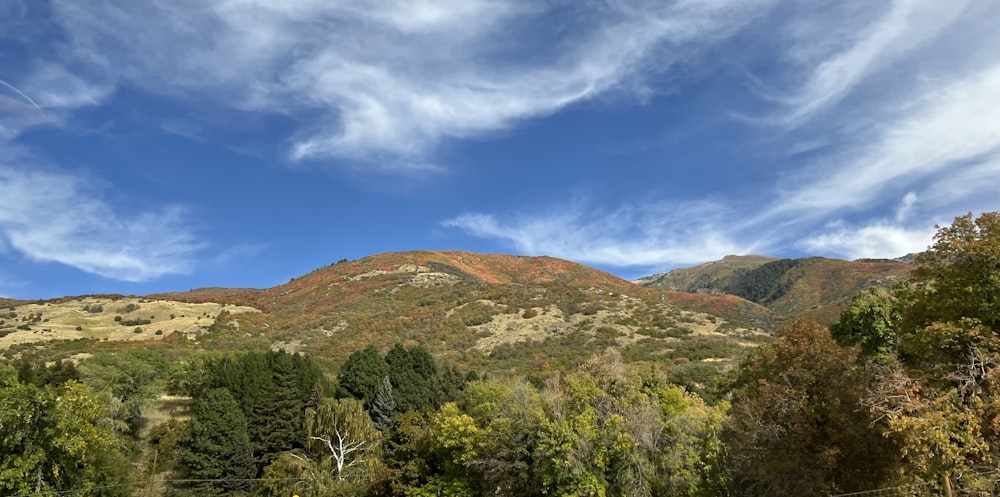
(903, 393)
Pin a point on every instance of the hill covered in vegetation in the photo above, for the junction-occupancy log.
(816, 287)
(616, 392)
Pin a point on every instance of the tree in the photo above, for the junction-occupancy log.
(339, 430)
(383, 407)
(412, 372)
(870, 322)
(217, 446)
(797, 425)
(128, 383)
(941, 402)
(361, 376)
(959, 276)
(273, 390)
(53, 439)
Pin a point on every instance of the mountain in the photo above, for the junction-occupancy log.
(708, 277)
(815, 287)
(491, 312)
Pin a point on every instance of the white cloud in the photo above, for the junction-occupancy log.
(875, 240)
(906, 27)
(385, 81)
(945, 129)
(906, 206)
(52, 216)
(647, 235)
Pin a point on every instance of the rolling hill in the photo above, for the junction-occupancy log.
(497, 313)
(816, 287)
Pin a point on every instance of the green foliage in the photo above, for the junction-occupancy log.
(383, 407)
(272, 389)
(870, 322)
(217, 446)
(361, 376)
(53, 439)
(765, 283)
(342, 441)
(597, 431)
(127, 382)
(958, 283)
(941, 402)
(42, 374)
(165, 440)
(133, 322)
(412, 372)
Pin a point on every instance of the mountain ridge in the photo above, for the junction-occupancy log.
(495, 312)
(812, 287)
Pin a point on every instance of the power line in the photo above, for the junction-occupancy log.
(881, 491)
(170, 480)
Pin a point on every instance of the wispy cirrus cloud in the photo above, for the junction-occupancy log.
(945, 129)
(54, 216)
(909, 102)
(833, 72)
(384, 82)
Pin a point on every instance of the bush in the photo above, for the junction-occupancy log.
(129, 308)
(93, 308)
(134, 322)
(137, 330)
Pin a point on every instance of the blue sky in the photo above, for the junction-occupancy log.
(154, 145)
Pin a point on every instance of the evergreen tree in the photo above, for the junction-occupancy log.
(273, 390)
(217, 446)
(383, 407)
(412, 371)
(362, 374)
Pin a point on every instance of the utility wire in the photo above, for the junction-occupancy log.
(170, 480)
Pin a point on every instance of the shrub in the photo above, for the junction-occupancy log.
(134, 322)
(129, 308)
(137, 330)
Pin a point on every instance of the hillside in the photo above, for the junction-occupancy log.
(816, 287)
(496, 313)
(708, 277)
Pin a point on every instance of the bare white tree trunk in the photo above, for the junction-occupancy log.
(341, 451)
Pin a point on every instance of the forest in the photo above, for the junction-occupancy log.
(900, 397)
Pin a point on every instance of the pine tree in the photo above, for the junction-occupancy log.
(362, 374)
(217, 446)
(383, 407)
(412, 371)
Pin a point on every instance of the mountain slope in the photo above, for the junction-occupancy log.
(814, 287)
(491, 312)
